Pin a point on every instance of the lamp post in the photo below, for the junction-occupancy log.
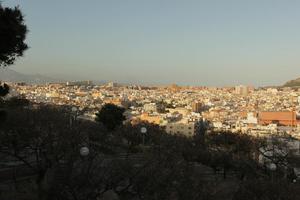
(74, 114)
(84, 151)
(144, 131)
(273, 168)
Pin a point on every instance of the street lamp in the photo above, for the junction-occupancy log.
(74, 109)
(273, 168)
(144, 131)
(74, 113)
(84, 151)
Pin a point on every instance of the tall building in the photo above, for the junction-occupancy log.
(242, 90)
(112, 85)
(196, 107)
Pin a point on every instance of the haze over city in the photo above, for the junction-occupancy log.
(214, 43)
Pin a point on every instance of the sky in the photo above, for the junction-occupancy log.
(159, 42)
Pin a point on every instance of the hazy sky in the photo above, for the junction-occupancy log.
(212, 42)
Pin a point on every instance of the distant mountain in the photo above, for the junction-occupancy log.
(10, 75)
(13, 76)
(293, 83)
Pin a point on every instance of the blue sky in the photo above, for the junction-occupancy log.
(189, 42)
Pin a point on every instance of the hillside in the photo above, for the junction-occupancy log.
(13, 76)
(293, 83)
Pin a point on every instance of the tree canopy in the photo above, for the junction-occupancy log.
(12, 35)
(110, 116)
(47, 146)
(4, 89)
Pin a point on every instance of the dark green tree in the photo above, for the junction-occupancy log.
(12, 35)
(4, 89)
(111, 116)
(17, 101)
(36, 138)
(261, 189)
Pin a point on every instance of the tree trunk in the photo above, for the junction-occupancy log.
(40, 181)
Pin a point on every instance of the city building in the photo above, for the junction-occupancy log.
(79, 83)
(182, 128)
(242, 90)
(284, 118)
(196, 107)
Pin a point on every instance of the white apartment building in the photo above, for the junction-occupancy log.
(181, 128)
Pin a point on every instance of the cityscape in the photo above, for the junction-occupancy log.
(256, 111)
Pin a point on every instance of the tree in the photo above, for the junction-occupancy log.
(4, 89)
(36, 137)
(110, 116)
(261, 189)
(17, 101)
(12, 35)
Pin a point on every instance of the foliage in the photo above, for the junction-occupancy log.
(110, 116)
(166, 167)
(4, 89)
(37, 138)
(267, 190)
(16, 101)
(12, 35)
